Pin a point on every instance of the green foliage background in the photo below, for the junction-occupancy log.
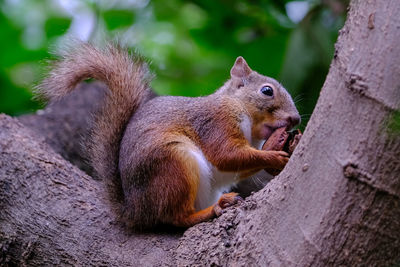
(191, 44)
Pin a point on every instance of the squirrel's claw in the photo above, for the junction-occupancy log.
(226, 200)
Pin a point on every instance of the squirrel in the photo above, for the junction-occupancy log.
(170, 158)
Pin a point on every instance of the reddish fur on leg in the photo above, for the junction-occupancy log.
(226, 200)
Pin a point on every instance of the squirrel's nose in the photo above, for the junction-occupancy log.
(293, 120)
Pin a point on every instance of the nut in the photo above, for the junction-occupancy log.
(277, 140)
(282, 140)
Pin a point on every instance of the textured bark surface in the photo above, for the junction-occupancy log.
(54, 214)
(336, 203)
(66, 124)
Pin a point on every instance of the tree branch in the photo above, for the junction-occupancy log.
(54, 214)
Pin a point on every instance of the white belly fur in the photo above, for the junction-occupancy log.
(213, 183)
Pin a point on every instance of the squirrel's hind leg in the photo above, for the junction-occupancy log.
(191, 174)
(190, 219)
(196, 173)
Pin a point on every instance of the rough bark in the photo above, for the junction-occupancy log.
(54, 214)
(336, 203)
(65, 124)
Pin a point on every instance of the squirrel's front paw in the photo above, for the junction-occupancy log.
(279, 159)
(226, 200)
(277, 162)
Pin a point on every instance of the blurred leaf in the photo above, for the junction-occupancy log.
(193, 16)
(308, 55)
(15, 100)
(299, 58)
(280, 4)
(56, 26)
(394, 123)
(118, 18)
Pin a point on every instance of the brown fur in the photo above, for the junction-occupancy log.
(127, 78)
(151, 142)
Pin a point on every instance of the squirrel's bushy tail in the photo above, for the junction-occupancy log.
(127, 78)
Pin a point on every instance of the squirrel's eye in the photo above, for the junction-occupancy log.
(267, 90)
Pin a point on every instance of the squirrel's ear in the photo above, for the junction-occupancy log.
(240, 69)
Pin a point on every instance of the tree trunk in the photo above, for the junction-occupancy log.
(336, 203)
